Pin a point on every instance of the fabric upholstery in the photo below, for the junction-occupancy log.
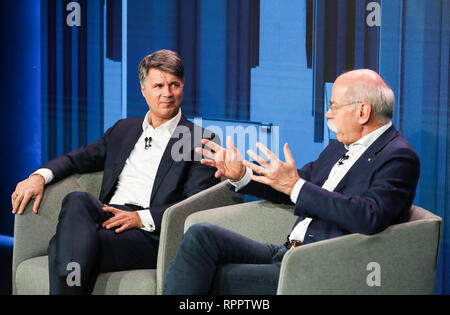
(405, 253)
(33, 232)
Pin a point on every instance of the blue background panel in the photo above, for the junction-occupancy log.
(265, 64)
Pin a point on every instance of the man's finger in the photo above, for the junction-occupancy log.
(37, 202)
(111, 222)
(111, 209)
(230, 144)
(212, 145)
(257, 158)
(261, 179)
(206, 153)
(104, 224)
(13, 201)
(24, 202)
(208, 162)
(270, 156)
(113, 219)
(114, 224)
(288, 155)
(17, 202)
(256, 168)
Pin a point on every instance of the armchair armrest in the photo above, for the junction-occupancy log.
(175, 216)
(261, 221)
(32, 232)
(400, 260)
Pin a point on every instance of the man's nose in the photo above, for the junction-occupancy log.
(167, 91)
(329, 114)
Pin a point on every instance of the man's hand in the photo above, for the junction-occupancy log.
(281, 176)
(30, 188)
(123, 219)
(229, 162)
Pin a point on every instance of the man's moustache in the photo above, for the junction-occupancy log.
(332, 126)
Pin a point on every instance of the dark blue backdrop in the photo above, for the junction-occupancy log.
(20, 125)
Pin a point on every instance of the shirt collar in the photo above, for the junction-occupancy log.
(370, 138)
(168, 126)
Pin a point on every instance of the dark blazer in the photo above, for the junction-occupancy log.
(175, 179)
(376, 192)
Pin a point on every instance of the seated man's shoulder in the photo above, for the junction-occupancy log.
(399, 149)
(400, 145)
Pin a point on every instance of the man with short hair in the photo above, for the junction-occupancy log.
(361, 183)
(141, 179)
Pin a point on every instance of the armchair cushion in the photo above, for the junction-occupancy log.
(32, 278)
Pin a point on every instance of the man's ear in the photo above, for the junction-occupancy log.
(365, 111)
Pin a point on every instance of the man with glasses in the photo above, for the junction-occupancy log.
(361, 183)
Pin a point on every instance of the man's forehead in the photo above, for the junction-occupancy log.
(157, 75)
(362, 75)
(339, 89)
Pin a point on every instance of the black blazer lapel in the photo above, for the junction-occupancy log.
(182, 133)
(369, 155)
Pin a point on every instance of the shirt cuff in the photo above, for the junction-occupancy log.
(296, 190)
(46, 173)
(147, 220)
(244, 180)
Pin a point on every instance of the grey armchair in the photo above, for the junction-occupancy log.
(400, 260)
(33, 232)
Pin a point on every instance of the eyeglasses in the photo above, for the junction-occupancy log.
(334, 107)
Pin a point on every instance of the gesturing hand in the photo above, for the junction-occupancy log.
(124, 219)
(229, 161)
(281, 176)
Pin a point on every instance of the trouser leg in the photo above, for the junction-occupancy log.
(203, 248)
(75, 242)
(80, 241)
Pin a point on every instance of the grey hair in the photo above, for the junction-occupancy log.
(164, 60)
(380, 96)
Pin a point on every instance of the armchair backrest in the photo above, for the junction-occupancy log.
(405, 256)
(262, 220)
(174, 218)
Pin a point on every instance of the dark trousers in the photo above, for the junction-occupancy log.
(81, 241)
(214, 260)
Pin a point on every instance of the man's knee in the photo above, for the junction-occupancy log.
(76, 202)
(200, 231)
(77, 196)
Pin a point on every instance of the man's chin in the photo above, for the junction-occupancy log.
(167, 113)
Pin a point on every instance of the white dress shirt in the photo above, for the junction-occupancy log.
(355, 150)
(135, 182)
